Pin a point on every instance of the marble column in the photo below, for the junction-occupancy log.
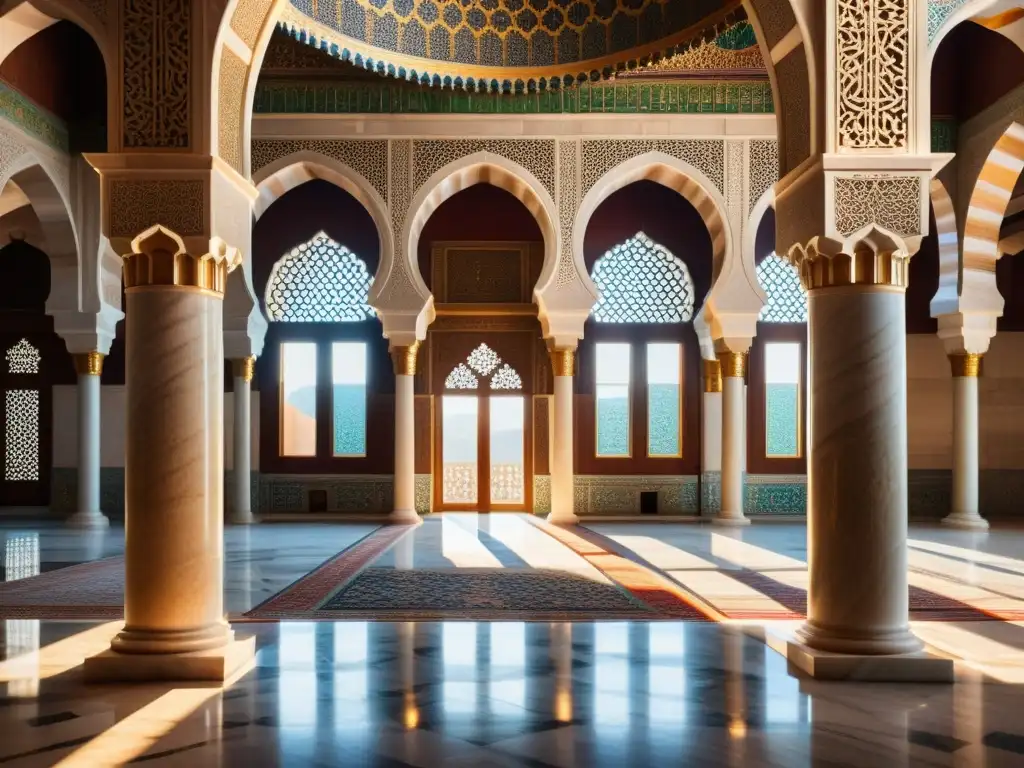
(711, 440)
(734, 370)
(857, 462)
(562, 473)
(174, 471)
(965, 511)
(404, 360)
(241, 493)
(89, 367)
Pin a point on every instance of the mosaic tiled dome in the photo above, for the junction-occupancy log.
(505, 44)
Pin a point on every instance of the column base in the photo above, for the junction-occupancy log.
(916, 667)
(560, 518)
(241, 519)
(405, 517)
(86, 520)
(965, 522)
(730, 521)
(215, 665)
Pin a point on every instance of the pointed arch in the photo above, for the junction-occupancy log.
(276, 179)
(989, 197)
(477, 168)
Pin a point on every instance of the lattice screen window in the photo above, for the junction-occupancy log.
(786, 297)
(23, 358)
(21, 455)
(320, 281)
(485, 361)
(642, 282)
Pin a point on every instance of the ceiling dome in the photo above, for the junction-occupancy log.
(505, 44)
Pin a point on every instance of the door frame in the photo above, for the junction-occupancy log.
(483, 456)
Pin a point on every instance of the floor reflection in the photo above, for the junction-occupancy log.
(502, 694)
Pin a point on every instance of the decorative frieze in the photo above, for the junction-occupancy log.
(891, 202)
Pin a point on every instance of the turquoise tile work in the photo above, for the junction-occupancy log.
(775, 495)
(620, 494)
(783, 427)
(710, 494)
(688, 97)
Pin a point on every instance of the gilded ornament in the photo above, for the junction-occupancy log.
(404, 359)
(89, 364)
(244, 367)
(733, 364)
(967, 365)
(563, 361)
(712, 376)
(866, 267)
(163, 268)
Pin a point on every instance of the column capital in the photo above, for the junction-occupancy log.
(873, 259)
(159, 259)
(712, 376)
(403, 357)
(732, 365)
(243, 367)
(563, 360)
(89, 363)
(967, 365)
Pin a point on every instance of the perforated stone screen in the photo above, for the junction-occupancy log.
(642, 282)
(786, 298)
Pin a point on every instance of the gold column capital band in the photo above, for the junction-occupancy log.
(89, 364)
(864, 267)
(967, 365)
(244, 367)
(404, 359)
(733, 364)
(563, 361)
(712, 376)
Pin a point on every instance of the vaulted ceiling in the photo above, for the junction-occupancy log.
(506, 44)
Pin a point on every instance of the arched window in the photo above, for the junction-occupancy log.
(777, 366)
(641, 283)
(321, 281)
(786, 298)
(21, 414)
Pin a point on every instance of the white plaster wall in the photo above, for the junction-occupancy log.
(112, 410)
(1001, 394)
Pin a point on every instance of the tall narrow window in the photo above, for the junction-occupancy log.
(21, 417)
(664, 400)
(782, 400)
(348, 377)
(298, 399)
(613, 378)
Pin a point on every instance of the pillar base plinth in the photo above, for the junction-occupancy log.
(88, 520)
(241, 519)
(730, 521)
(857, 641)
(563, 519)
(405, 517)
(916, 667)
(216, 665)
(965, 522)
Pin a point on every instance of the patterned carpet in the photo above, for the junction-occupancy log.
(93, 590)
(482, 593)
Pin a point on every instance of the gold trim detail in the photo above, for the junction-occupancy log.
(89, 364)
(404, 359)
(968, 365)
(244, 367)
(866, 267)
(563, 361)
(733, 365)
(712, 376)
(159, 260)
(1000, 20)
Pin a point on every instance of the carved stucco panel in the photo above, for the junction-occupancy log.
(535, 155)
(399, 290)
(891, 202)
(367, 157)
(874, 71)
(135, 206)
(601, 155)
(569, 198)
(764, 170)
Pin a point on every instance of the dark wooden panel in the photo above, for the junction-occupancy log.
(541, 427)
(424, 420)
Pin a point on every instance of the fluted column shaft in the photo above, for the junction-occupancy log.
(404, 359)
(562, 471)
(241, 446)
(965, 512)
(174, 457)
(88, 515)
(857, 470)
(734, 368)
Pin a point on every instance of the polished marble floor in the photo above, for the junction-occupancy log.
(521, 694)
(495, 694)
